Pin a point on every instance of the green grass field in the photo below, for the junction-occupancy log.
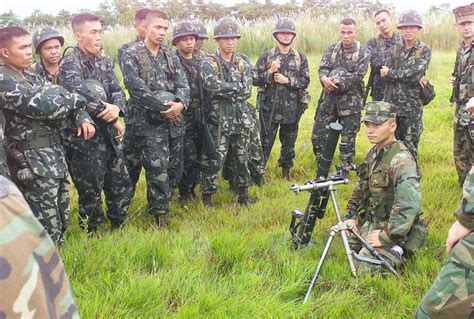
(230, 261)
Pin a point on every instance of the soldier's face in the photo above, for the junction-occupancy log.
(227, 45)
(18, 53)
(89, 37)
(384, 23)
(285, 37)
(186, 44)
(347, 34)
(465, 29)
(410, 32)
(380, 134)
(50, 51)
(140, 28)
(156, 30)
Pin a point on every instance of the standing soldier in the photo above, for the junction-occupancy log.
(227, 80)
(33, 112)
(463, 90)
(48, 44)
(202, 35)
(96, 164)
(379, 48)
(282, 77)
(159, 92)
(407, 64)
(341, 73)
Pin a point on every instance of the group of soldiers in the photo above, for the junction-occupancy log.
(188, 120)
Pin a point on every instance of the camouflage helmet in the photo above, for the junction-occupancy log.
(163, 97)
(182, 29)
(284, 25)
(45, 34)
(95, 90)
(338, 75)
(378, 112)
(226, 28)
(201, 29)
(410, 18)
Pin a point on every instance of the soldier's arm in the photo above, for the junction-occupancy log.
(325, 66)
(407, 199)
(262, 75)
(375, 58)
(117, 97)
(246, 81)
(359, 190)
(181, 84)
(214, 85)
(413, 73)
(355, 78)
(301, 81)
(465, 214)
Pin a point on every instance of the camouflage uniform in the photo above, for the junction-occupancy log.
(39, 37)
(3, 164)
(33, 112)
(402, 88)
(97, 164)
(32, 276)
(154, 144)
(39, 69)
(123, 48)
(387, 194)
(452, 293)
(345, 104)
(379, 48)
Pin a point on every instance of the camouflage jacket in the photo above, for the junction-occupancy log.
(387, 192)
(282, 98)
(3, 164)
(145, 75)
(406, 67)
(39, 69)
(31, 269)
(228, 86)
(379, 49)
(465, 214)
(353, 63)
(122, 49)
(75, 68)
(464, 84)
(192, 68)
(33, 112)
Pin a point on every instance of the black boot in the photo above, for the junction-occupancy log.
(259, 180)
(207, 200)
(285, 173)
(244, 197)
(161, 221)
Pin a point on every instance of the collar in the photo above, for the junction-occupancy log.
(351, 49)
(291, 52)
(84, 58)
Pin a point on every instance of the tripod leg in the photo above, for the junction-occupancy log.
(348, 249)
(320, 265)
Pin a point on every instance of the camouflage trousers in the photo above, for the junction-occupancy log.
(409, 129)
(326, 115)
(161, 157)
(228, 145)
(92, 172)
(287, 134)
(462, 150)
(49, 201)
(452, 293)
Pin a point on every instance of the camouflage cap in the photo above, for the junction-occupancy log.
(182, 29)
(226, 28)
(284, 25)
(163, 97)
(95, 90)
(201, 29)
(45, 34)
(464, 13)
(410, 18)
(378, 112)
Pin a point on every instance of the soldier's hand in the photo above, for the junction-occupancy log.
(280, 78)
(455, 233)
(452, 80)
(373, 238)
(470, 105)
(173, 113)
(384, 71)
(353, 223)
(119, 131)
(111, 112)
(274, 66)
(87, 130)
(423, 81)
(328, 84)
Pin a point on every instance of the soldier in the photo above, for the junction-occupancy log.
(227, 81)
(159, 92)
(96, 164)
(48, 43)
(379, 48)
(283, 76)
(33, 112)
(386, 201)
(406, 65)
(33, 280)
(202, 35)
(341, 73)
(463, 90)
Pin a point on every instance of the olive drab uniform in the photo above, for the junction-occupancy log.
(379, 48)
(32, 277)
(348, 67)
(33, 113)
(151, 141)
(97, 164)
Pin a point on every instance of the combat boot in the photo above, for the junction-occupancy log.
(259, 180)
(207, 200)
(285, 173)
(244, 197)
(161, 221)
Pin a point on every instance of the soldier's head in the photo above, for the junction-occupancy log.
(383, 22)
(226, 34)
(284, 31)
(157, 24)
(410, 24)
(15, 47)
(184, 37)
(87, 31)
(139, 22)
(380, 121)
(202, 34)
(464, 21)
(48, 43)
(347, 32)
